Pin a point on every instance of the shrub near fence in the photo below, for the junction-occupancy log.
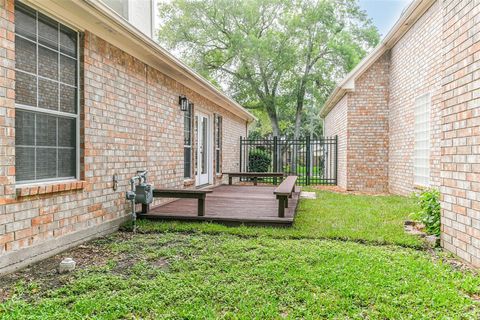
(259, 160)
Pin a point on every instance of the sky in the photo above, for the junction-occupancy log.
(384, 13)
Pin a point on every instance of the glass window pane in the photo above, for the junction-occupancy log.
(25, 55)
(25, 89)
(46, 161)
(68, 70)
(66, 163)
(24, 163)
(68, 99)
(187, 154)
(68, 41)
(204, 147)
(24, 128)
(45, 144)
(47, 94)
(187, 127)
(66, 132)
(25, 23)
(47, 63)
(46, 130)
(47, 31)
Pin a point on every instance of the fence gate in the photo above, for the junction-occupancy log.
(313, 161)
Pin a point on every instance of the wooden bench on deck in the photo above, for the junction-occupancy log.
(283, 192)
(254, 175)
(184, 193)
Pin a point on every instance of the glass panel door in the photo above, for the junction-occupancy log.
(202, 149)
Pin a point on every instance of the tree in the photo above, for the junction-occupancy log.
(270, 54)
(329, 38)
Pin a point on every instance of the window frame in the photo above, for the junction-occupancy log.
(218, 121)
(189, 146)
(426, 105)
(56, 113)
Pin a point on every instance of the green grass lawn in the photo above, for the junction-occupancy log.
(206, 271)
(375, 219)
(186, 276)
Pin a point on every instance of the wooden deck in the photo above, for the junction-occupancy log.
(232, 205)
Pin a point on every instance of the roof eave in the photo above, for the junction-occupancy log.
(105, 23)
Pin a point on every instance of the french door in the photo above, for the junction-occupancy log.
(203, 168)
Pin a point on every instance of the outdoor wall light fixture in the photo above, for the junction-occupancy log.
(183, 102)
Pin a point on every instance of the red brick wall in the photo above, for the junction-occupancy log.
(416, 69)
(360, 119)
(7, 118)
(336, 125)
(367, 156)
(381, 111)
(130, 120)
(439, 55)
(460, 160)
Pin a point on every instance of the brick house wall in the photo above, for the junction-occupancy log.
(367, 159)
(130, 120)
(360, 119)
(381, 111)
(7, 119)
(415, 69)
(438, 55)
(336, 125)
(460, 151)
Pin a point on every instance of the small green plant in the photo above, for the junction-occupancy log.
(259, 160)
(429, 214)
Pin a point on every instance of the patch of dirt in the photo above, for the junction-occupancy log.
(43, 275)
(414, 228)
(337, 189)
(458, 264)
(161, 263)
(39, 278)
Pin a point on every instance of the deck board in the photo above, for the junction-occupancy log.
(235, 204)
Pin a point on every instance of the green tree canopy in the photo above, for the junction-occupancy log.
(271, 55)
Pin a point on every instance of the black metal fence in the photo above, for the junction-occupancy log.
(313, 161)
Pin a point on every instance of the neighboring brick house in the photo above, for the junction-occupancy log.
(85, 96)
(408, 116)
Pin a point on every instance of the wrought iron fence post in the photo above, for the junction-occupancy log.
(241, 151)
(336, 159)
(315, 160)
(307, 161)
(275, 157)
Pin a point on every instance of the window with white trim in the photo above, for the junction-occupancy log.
(46, 98)
(187, 144)
(218, 143)
(421, 157)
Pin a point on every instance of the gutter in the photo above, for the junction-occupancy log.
(412, 13)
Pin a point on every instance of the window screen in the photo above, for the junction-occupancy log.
(218, 144)
(46, 97)
(187, 145)
(421, 158)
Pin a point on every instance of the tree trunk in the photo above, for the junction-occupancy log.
(298, 113)
(274, 122)
(272, 115)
